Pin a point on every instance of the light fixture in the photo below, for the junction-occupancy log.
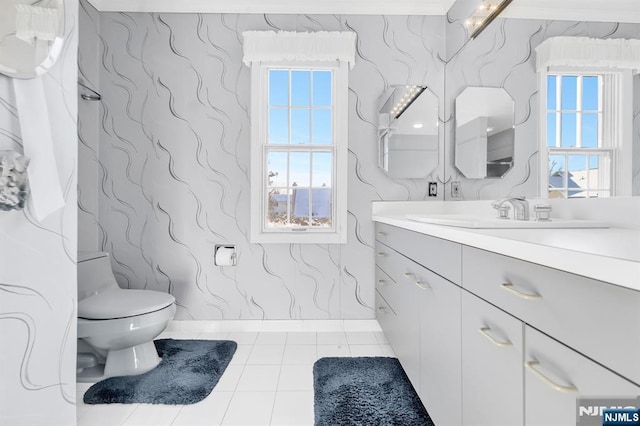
(410, 95)
(417, 125)
(483, 15)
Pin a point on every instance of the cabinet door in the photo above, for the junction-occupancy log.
(556, 375)
(440, 363)
(492, 354)
(407, 344)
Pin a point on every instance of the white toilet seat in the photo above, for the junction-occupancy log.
(117, 303)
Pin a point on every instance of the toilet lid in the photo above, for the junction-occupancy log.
(118, 303)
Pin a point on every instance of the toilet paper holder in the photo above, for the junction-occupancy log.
(225, 255)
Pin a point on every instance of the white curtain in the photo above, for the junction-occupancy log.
(267, 46)
(591, 52)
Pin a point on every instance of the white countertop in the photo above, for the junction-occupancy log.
(611, 255)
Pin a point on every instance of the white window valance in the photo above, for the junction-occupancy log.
(588, 52)
(272, 46)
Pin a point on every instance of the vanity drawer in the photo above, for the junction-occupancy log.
(441, 256)
(600, 320)
(385, 286)
(405, 275)
(555, 376)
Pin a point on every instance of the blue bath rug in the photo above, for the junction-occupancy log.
(365, 391)
(187, 374)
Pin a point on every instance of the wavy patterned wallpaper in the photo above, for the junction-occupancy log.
(167, 153)
(38, 265)
(164, 175)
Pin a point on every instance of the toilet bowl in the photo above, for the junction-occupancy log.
(116, 327)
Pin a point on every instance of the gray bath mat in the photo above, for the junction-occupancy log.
(365, 391)
(187, 374)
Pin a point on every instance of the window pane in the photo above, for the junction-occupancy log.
(299, 169)
(551, 129)
(322, 131)
(278, 208)
(278, 125)
(569, 92)
(590, 93)
(578, 180)
(278, 87)
(557, 171)
(322, 88)
(568, 129)
(590, 130)
(321, 209)
(300, 200)
(300, 126)
(551, 92)
(300, 88)
(322, 175)
(276, 169)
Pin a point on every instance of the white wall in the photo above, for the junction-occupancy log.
(37, 266)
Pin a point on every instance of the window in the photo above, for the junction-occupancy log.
(299, 150)
(579, 158)
(585, 117)
(298, 142)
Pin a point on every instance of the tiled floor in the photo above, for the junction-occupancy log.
(268, 382)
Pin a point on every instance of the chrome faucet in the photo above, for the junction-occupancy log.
(520, 206)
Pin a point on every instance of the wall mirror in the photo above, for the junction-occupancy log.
(484, 138)
(408, 132)
(31, 36)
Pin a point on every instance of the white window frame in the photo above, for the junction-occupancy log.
(615, 132)
(285, 50)
(619, 58)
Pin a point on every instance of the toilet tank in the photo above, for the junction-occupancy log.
(94, 273)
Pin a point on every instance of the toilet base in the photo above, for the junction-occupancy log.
(123, 362)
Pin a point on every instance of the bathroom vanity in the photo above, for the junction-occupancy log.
(492, 329)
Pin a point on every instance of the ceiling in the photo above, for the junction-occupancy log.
(574, 10)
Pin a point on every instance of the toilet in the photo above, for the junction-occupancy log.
(116, 327)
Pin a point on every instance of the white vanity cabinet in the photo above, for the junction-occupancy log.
(493, 340)
(419, 311)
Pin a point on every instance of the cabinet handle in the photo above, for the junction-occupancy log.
(409, 276)
(382, 309)
(382, 282)
(381, 254)
(511, 289)
(382, 234)
(501, 343)
(532, 366)
(423, 286)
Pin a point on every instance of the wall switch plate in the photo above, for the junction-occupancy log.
(433, 189)
(455, 189)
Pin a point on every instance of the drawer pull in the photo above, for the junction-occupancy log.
(501, 343)
(382, 234)
(422, 285)
(511, 289)
(382, 282)
(382, 254)
(382, 310)
(410, 276)
(532, 366)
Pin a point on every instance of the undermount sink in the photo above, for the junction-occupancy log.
(479, 222)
